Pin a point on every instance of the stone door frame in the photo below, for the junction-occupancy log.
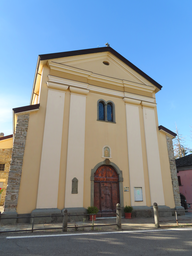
(119, 172)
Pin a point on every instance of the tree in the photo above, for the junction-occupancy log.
(179, 149)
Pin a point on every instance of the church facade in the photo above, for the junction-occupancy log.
(90, 137)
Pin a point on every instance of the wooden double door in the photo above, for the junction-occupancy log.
(106, 188)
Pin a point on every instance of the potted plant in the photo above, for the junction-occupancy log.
(128, 210)
(92, 210)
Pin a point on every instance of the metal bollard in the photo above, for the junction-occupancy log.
(156, 215)
(32, 222)
(118, 216)
(176, 218)
(65, 217)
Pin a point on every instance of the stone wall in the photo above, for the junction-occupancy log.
(16, 163)
(173, 172)
(5, 158)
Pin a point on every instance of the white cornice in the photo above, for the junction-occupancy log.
(102, 90)
(132, 101)
(67, 82)
(147, 104)
(63, 83)
(68, 69)
(139, 97)
(137, 86)
(57, 86)
(79, 91)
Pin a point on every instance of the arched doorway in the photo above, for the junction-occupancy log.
(106, 188)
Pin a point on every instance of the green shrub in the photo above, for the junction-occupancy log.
(92, 210)
(128, 209)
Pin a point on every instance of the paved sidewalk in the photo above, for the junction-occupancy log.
(127, 224)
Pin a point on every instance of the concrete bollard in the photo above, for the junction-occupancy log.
(118, 216)
(156, 215)
(65, 217)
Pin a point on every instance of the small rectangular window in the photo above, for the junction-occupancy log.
(2, 167)
(179, 180)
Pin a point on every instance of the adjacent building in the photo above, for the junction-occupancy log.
(184, 174)
(6, 145)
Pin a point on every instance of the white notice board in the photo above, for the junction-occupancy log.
(138, 193)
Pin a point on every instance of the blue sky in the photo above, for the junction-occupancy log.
(156, 36)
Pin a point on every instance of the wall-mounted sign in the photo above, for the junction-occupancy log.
(138, 193)
(126, 189)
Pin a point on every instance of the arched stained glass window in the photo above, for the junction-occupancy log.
(109, 112)
(101, 111)
(105, 111)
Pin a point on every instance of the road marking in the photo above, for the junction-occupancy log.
(100, 233)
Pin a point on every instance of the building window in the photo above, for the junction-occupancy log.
(179, 180)
(109, 112)
(2, 167)
(106, 111)
(74, 186)
(101, 111)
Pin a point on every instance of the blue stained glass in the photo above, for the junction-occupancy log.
(101, 111)
(109, 112)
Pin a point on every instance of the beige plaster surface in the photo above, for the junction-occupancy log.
(135, 156)
(99, 134)
(32, 155)
(76, 147)
(153, 159)
(64, 148)
(51, 151)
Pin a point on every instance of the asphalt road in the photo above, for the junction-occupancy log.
(163, 242)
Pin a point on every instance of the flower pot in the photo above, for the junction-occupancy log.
(127, 215)
(94, 217)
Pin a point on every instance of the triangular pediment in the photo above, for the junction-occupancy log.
(96, 64)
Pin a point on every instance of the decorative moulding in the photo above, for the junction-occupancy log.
(68, 69)
(139, 97)
(148, 104)
(132, 101)
(79, 91)
(138, 86)
(57, 86)
(67, 82)
(105, 91)
(101, 78)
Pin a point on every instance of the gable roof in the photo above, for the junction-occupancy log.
(6, 137)
(43, 57)
(184, 161)
(163, 128)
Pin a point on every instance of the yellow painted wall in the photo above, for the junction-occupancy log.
(32, 155)
(7, 143)
(99, 134)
